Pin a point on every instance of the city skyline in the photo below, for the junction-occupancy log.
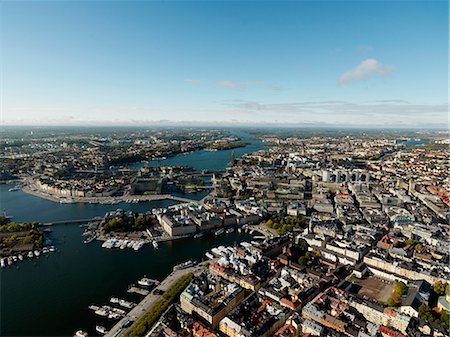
(293, 63)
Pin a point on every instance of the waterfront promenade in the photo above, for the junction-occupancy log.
(139, 310)
(105, 200)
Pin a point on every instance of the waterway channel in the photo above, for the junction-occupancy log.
(50, 295)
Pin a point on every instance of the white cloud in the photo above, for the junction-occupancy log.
(237, 84)
(365, 69)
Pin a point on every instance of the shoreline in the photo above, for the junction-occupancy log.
(104, 200)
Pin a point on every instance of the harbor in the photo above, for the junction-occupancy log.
(80, 274)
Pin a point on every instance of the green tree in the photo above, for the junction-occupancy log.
(440, 288)
(400, 288)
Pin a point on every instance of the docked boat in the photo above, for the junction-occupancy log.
(89, 239)
(81, 333)
(37, 253)
(199, 235)
(20, 257)
(114, 300)
(219, 232)
(126, 304)
(184, 265)
(229, 230)
(155, 244)
(14, 189)
(146, 282)
(100, 329)
(209, 255)
(2, 263)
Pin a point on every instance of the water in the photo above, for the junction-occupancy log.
(50, 295)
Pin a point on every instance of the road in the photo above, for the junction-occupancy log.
(150, 299)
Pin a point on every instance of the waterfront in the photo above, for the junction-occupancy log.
(52, 293)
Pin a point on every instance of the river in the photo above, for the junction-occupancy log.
(50, 295)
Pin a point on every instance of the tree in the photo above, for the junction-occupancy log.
(440, 288)
(303, 260)
(400, 288)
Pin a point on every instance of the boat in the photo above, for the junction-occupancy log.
(219, 232)
(81, 333)
(2, 263)
(114, 300)
(199, 235)
(126, 304)
(30, 254)
(89, 240)
(239, 230)
(229, 230)
(67, 201)
(155, 244)
(100, 329)
(102, 312)
(209, 255)
(37, 253)
(146, 282)
(93, 307)
(20, 257)
(14, 189)
(184, 265)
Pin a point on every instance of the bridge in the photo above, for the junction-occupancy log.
(71, 221)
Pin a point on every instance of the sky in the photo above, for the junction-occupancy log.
(321, 63)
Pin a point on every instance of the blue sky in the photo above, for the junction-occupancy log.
(308, 63)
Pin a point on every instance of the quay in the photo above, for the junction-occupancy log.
(139, 310)
(104, 200)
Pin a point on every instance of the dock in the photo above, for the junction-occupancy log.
(139, 291)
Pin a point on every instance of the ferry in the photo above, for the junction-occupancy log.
(155, 244)
(100, 329)
(199, 235)
(219, 232)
